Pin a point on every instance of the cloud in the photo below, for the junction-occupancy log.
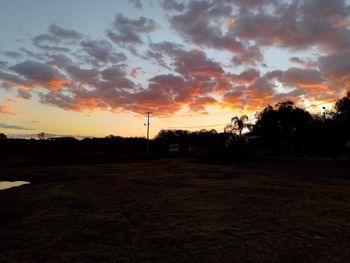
(116, 77)
(335, 68)
(24, 93)
(246, 77)
(162, 96)
(135, 72)
(13, 54)
(6, 107)
(187, 62)
(45, 42)
(9, 80)
(63, 33)
(81, 73)
(199, 103)
(173, 5)
(295, 25)
(40, 74)
(136, 3)
(3, 64)
(297, 76)
(31, 54)
(306, 63)
(253, 91)
(195, 62)
(194, 24)
(252, 4)
(14, 127)
(56, 35)
(127, 31)
(201, 23)
(6, 110)
(102, 52)
(87, 75)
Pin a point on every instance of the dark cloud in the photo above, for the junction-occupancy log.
(31, 54)
(80, 73)
(36, 70)
(127, 31)
(44, 38)
(13, 127)
(251, 56)
(251, 90)
(56, 35)
(194, 25)
(335, 68)
(10, 79)
(203, 74)
(236, 98)
(24, 93)
(336, 65)
(187, 62)
(13, 54)
(115, 77)
(161, 96)
(245, 77)
(195, 62)
(59, 100)
(63, 33)
(252, 4)
(296, 25)
(3, 64)
(46, 42)
(173, 5)
(136, 3)
(36, 74)
(202, 23)
(102, 52)
(303, 76)
(199, 103)
(306, 63)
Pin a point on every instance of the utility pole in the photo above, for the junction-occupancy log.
(324, 113)
(148, 115)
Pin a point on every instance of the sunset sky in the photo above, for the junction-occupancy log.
(94, 68)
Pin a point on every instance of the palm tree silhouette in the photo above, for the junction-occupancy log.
(238, 124)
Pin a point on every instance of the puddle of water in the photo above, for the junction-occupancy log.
(6, 185)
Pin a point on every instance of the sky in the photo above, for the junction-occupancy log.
(94, 68)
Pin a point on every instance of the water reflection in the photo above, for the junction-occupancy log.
(5, 184)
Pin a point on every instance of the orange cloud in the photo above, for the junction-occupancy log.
(82, 104)
(55, 85)
(5, 107)
(6, 110)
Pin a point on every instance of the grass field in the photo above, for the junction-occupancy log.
(177, 211)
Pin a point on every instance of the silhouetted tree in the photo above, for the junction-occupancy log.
(41, 136)
(284, 127)
(238, 124)
(341, 126)
(285, 120)
(3, 136)
(342, 108)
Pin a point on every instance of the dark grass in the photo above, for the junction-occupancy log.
(177, 211)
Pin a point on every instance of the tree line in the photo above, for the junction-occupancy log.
(282, 129)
